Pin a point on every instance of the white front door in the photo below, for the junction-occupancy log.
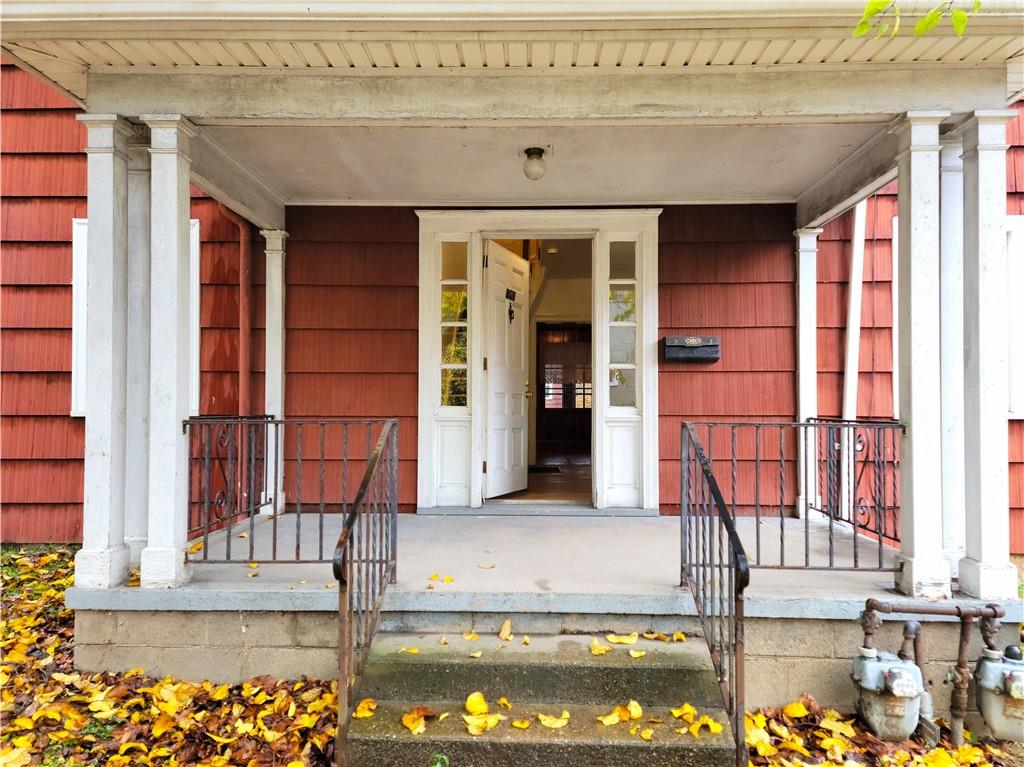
(507, 369)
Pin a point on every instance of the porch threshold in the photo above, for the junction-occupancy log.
(501, 508)
(518, 564)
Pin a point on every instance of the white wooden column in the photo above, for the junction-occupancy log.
(136, 488)
(985, 570)
(807, 363)
(851, 359)
(951, 328)
(102, 561)
(275, 355)
(923, 571)
(163, 559)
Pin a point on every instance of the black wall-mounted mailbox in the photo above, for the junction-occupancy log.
(690, 349)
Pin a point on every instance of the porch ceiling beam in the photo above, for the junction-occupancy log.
(547, 98)
(862, 173)
(236, 185)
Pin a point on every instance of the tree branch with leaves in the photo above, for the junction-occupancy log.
(883, 16)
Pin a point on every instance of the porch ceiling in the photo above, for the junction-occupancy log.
(598, 165)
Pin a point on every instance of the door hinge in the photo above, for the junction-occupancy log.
(485, 364)
(485, 467)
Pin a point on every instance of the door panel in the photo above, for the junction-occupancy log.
(507, 278)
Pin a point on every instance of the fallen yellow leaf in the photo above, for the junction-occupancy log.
(623, 638)
(637, 653)
(253, 565)
(443, 640)
(521, 724)
(678, 636)
(839, 727)
(416, 720)
(647, 733)
(471, 636)
(614, 717)
(505, 632)
(409, 650)
(481, 723)
(435, 577)
(634, 709)
(476, 704)
(447, 579)
(526, 639)
(195, 548)
(220, 693)
(795, 710)
(444, 715)
(597, 648)
(365, 709)
(686, 712)
(554, 722)
(476, 654)
(655, 635)
(503, 703)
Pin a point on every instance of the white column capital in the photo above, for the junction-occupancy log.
(106, 133)
(138, 158)
(807, 238)
(170, 133)
(275, 239)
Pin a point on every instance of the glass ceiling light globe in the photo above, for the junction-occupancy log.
(534, 165)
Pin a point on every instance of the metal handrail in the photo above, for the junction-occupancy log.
(714, 565)
(364, 563)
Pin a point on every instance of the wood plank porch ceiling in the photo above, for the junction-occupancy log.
(65, 54)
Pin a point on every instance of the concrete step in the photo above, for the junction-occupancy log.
(456, 620)
(553, 668)
(382, 741)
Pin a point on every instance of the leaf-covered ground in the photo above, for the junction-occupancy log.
(53, 716)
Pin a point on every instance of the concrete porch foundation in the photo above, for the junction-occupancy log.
(550, 575)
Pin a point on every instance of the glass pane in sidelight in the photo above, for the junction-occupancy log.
(453, 345)
(622, 387)
(622, 303)
(622, 261)
(454, 303)
(453, 260)
(454, 387)
(622, 344)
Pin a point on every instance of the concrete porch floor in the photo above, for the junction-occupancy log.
(579, 565)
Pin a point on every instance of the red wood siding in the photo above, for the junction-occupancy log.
(1015, 206)
(351, 317)
(728, 271)
(42, 185)
(42, 188)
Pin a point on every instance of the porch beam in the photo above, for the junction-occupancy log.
(163, 559)
(986, 570)
(862, 173)
(951, 329)
(275, 355)
(550, 98)
(923, 571)
(136, 489)
(235, 185)
(102, 561)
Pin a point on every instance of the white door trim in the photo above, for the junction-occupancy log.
(453, 477)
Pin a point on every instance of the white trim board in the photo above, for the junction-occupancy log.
(451, 439)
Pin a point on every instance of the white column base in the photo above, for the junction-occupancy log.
(135, 547)
(101, 568)
(164, 568)
(923, 577)
(988, 581)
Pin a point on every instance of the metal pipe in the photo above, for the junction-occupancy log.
(990, 613)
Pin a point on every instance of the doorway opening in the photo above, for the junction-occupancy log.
(555, 446)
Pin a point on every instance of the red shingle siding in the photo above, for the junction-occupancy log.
(42, 184)
(43, 187)
(728, 271)
(1015, 206)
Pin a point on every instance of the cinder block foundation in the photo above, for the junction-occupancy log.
(784, 656)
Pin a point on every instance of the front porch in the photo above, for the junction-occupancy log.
(550, 575)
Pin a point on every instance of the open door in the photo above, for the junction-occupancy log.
(506, 366)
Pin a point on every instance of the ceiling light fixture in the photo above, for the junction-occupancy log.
(534, 165)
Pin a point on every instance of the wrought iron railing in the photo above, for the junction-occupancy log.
(714, 567)
(364, 564)
(264, 489)
(818, 495)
